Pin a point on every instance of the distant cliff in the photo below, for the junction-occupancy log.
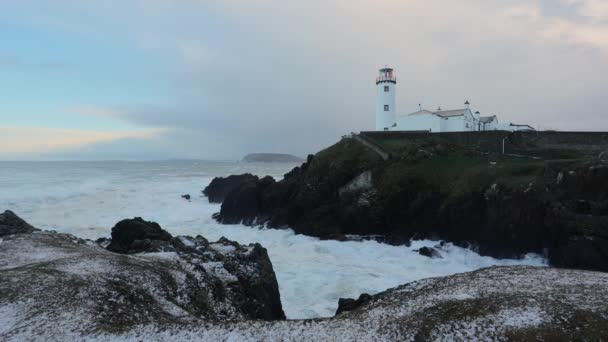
(271, 158)
(546, 194)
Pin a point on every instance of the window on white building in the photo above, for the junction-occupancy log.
(386, 108)
(386, 89)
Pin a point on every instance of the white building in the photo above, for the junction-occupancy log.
(457, 120)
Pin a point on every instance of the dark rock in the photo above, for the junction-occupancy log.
(452, 192)
(257, 295)
(583, 252)
(260, 297)
(136, 235)
(220, 187)
(245, 203)
(186, 197)
(429, 252)
(346, 304)
(309, 160)
(349, 304)
(103, 242)
(13, 224)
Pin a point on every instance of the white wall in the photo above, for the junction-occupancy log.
(419, 122)
(470, 121)
(383, 118)
(491, 126)
(453, 124)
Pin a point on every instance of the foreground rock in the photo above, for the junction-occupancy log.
(550, 198)
(52, 284)
(500, 303)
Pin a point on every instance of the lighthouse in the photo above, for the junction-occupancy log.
(385, 99)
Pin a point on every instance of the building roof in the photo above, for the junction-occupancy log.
(487, 119)
(424, 111)
(450, 113)
(442, 113)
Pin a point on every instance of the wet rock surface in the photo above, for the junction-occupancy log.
(429, 252)
(220, 187)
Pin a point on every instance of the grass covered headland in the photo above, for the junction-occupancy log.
(504, 193)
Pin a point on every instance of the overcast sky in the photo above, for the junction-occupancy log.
(160, 79)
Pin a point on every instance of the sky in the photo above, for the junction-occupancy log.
(167, 79)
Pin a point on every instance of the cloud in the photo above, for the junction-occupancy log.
(594, 10)
(242, 76)
(300, 74)
(195, 54)
(24, 141)
(589, 32)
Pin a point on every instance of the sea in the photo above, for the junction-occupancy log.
(86, 199)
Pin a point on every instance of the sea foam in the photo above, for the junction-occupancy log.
(87, 198)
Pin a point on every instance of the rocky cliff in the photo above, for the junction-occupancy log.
(547, 194)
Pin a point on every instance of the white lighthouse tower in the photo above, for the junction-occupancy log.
(385, 99)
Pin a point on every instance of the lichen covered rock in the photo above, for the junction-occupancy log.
(50, 281)
(495, 304)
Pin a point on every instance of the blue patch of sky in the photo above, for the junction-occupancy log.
(555, 8)
(52, 70)
(86, 55)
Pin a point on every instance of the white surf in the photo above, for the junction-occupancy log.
(87, 198)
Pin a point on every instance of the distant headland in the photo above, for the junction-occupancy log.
(271, 158)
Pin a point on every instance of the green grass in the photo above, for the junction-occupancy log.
(449, 168)
(457, 173)
(343, 159)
